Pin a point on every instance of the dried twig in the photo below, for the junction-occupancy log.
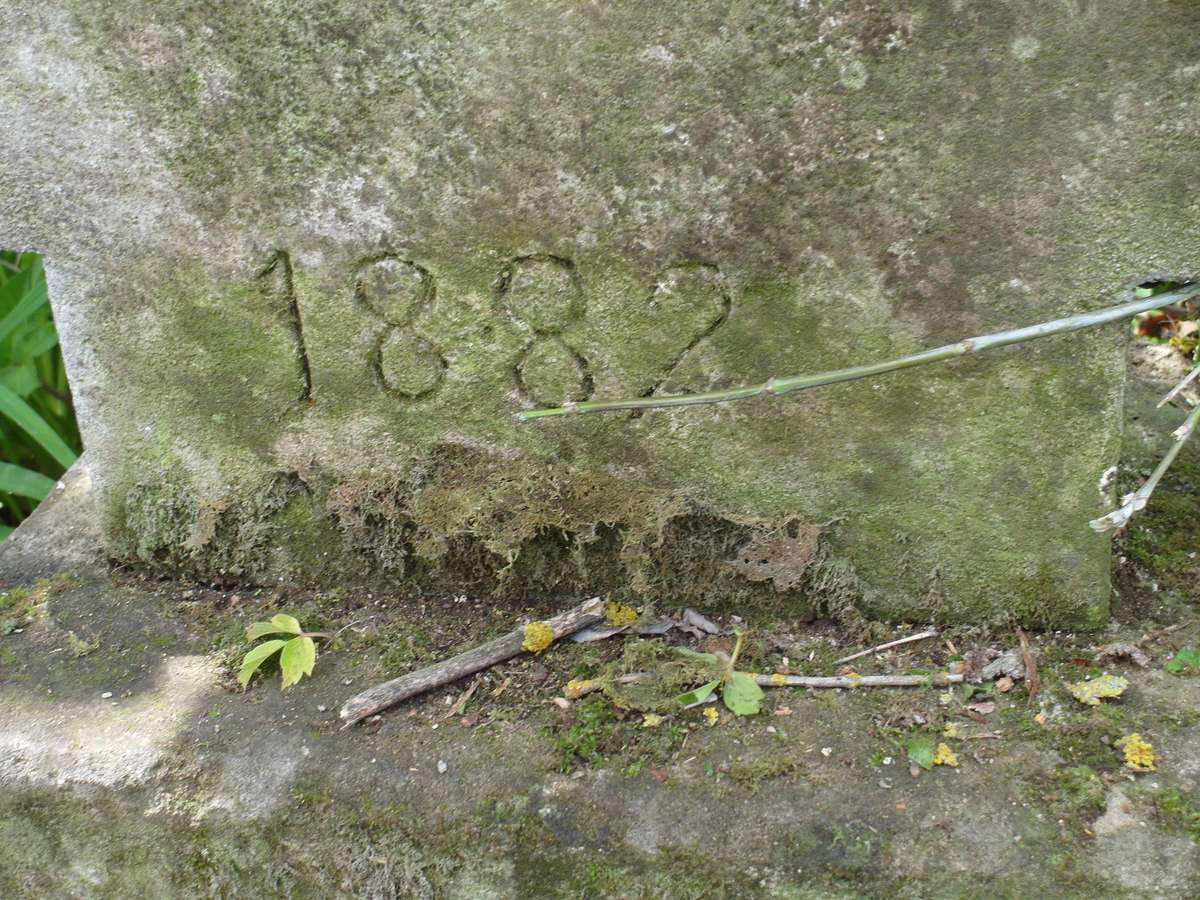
(779, 386)
(577, 689)
(1184, 382)
(460, 706)
(392, 692)
(905, 640)
(1032, 683)
(938, 679)
(1131, 503)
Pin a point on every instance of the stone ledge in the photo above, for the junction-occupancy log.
(132, 766)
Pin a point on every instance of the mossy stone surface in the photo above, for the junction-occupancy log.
(141, 768)
(330, 249)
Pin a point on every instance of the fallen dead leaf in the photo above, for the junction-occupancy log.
(781, 560)
(1110, 653)
(1004, 685)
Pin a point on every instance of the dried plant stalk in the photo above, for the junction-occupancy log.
(779, 386)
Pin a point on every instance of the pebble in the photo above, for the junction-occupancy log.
(106, 695)
(442, 767)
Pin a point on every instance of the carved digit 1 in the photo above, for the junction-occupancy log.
(276, 282)
(407, 364)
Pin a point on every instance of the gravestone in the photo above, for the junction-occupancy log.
(309, 259)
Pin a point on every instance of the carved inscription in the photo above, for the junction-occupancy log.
(407, 363)
(275, 281)
(542, 296)
(543, 293)
(692, 302)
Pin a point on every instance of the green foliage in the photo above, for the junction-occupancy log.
(21, 605)
(1178, 811)
(38, 435)
(582, 742)
(697, 695)
(742, 694)
(1185, 662)
(297, 653)
(921, 750)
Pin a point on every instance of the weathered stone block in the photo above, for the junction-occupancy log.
(308, 259)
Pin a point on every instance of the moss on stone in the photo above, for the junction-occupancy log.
(750, 197)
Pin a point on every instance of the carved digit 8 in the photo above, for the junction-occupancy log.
(407, 363)
(543, 294)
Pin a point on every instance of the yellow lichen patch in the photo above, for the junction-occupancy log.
(538, 636)
(711, 715)
(1139, 755)
(618, 614)
(1095, 689)
(952, 730)
(944, 756)
(650, 720)
(577, 687)
(778, 680)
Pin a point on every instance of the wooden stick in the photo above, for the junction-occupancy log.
(906, 640)
(1032, 683)
(392, 692)
(779, 386)
(939, 679)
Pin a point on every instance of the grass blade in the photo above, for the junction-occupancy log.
(26, 293)
(25, 482)
(24, 417)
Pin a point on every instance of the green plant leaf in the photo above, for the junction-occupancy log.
(256, 658)
(262, 629)
(22, 296)
(5, 531)
(24, 416)
(297, 660)
(25, 482)
(970, 690)
(742, 694)
(37, 338)
(286, 624)
(699, 695)
(921, 750)
(21, 380)
(1187, 658)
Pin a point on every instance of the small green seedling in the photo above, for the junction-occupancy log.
(297, 654)
(1185, 662)
(739, 691)
(920, 750)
